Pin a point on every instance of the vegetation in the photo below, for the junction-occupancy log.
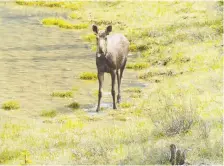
(157, 72)
(181, 43)
(137, 65)
(132, 48)
(125, 105)
(88, 76)
(133, 90)
(74, 105)
(93, 48)
(49, 113)
(135, 95)
(51, 4)
(63, 23)
(89, 38)
(11, 105)
(7, 155)
(75, 16)
(62, 94)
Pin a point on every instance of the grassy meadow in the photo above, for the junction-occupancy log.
(178, 50)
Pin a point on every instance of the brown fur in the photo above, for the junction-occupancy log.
(111, 57)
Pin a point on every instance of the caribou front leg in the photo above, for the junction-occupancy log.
(100, 79)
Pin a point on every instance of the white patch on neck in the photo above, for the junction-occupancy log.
(98, 55)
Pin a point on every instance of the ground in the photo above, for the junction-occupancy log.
(176, 49)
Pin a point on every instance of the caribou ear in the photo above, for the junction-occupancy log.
(95, 29)
(108, 29)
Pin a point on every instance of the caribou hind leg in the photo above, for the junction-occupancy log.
(119, 86)
(119, 77)
(113, 79)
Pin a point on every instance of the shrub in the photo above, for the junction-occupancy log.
(177, 111)
(7, 155)
(89, 38)
(138, 47)
(75, 16)
(49, 113)
(142, 47)
(88, 76)
(62, 94)
(11, 105)
(135, 95)
(132, 47)
(74, 105)
(220, 3)
(63, 23)
(102, 22)
(133, 90)
(51, 21)
(156, 72)
(80, 26)
(71, 5)
(137, 65)
(125, 105)
(107, 22)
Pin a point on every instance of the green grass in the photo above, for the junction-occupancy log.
(69, 5)
(157, 72)
(7, 155)
(137, 65)
(62, 94)
(71, 124)
(93, 48)
(74, 105)
(135, 95)
(63, 23)
(132, 47)
(10, 105)
(49, 113)
(133, 90)
(89, 38)
(125, 105)
(139, 47)
(52, 21)
(88, 76)
(74, 16)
